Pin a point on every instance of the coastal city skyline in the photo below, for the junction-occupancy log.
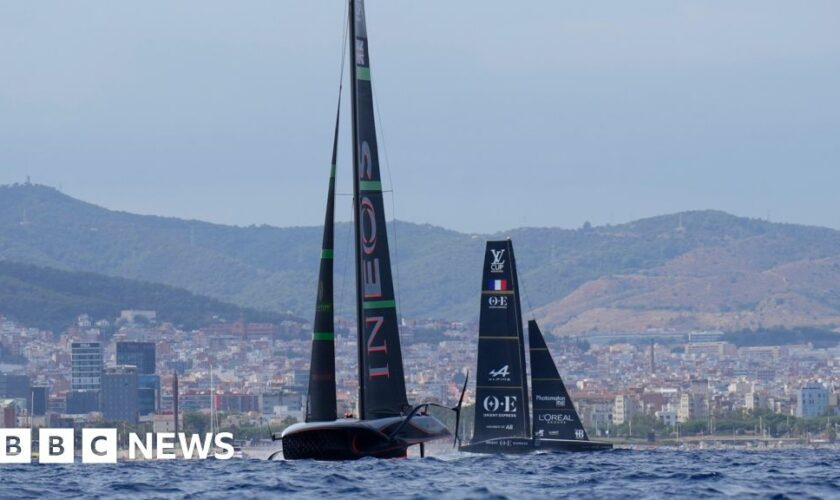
(673, 384)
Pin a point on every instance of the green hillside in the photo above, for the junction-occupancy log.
(439, 270)
(52, 299)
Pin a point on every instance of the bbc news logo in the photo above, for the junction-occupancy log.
(99, 446)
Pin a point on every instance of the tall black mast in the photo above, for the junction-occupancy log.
(360, 326)
(381, 375)
(518, 313)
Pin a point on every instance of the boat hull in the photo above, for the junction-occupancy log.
(527, 445)
(349, 439)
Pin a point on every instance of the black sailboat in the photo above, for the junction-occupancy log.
(386, 425)
(502, 423)
(501, 392)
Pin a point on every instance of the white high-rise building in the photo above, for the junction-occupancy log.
(86, 366)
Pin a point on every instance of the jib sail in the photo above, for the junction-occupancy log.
(321, 402)
(554, 414)
(501, 407)
(382, 384)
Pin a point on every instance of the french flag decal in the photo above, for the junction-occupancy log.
(497, 285)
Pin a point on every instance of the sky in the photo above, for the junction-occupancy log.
(494, 114)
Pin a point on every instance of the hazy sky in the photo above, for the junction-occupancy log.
(496, 113)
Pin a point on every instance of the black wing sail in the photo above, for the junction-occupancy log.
(322, 403)
(382, 383)
(555, 416)
(501, 389)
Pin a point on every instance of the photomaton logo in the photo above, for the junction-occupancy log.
(99, 446)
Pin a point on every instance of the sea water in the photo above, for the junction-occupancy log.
(613, 474)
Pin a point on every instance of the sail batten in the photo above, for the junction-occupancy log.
(381, 377)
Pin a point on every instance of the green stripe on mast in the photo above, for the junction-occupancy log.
(380, 304)
(370, 186)
(323, 335)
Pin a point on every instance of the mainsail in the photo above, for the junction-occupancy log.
(554, 414)
(381, 379)
(322, 405)
(501, 386)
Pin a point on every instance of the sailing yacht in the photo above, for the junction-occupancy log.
(502, 423)
(386, 425)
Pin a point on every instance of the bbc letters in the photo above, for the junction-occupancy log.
(99, 446)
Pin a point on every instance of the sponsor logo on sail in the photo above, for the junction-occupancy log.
(498, 406)
(498, 264)
(500, 375)
(555, 418)
(559, 401)
(497, 285)
(579, 434)
(497, 302)
(506, 427)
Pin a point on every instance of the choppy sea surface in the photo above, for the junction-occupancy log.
(794, 473)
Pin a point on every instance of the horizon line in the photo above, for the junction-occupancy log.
(59, 190)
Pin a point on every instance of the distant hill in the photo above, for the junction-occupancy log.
(52, 299)
(702, 269)
(258, 266)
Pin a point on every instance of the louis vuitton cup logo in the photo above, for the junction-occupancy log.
(498, 264)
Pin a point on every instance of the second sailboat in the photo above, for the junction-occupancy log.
(502, 423)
